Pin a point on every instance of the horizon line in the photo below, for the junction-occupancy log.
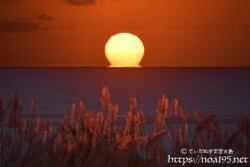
(124, 67)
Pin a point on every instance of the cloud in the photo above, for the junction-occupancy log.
(56, 28)
(9, 0)
(81, 2)
(51, 28)
(16, 26)
(45, 17)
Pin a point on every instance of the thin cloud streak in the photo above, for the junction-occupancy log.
(45, 17)
(81, 2)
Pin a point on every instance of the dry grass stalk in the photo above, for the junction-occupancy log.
(32, 108)
(174, 108)
(183, 113)
(2, 111)
(105, 98)
(197, 114)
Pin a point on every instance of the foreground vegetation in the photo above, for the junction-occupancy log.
(87, 139)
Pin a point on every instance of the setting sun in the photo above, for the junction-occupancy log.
(124, 50)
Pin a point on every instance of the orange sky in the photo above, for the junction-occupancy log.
(174, 32)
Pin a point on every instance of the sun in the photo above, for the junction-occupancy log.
(124, 50)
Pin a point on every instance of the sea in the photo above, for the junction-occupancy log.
(222, 91)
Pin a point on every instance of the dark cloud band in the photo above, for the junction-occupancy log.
(81, 2)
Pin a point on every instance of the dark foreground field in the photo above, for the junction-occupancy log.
(86, 139)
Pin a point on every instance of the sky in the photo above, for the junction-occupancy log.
(175, 33)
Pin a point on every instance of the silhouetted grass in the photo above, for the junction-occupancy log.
(87, 139)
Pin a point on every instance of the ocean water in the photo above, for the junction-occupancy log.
(224, 91)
